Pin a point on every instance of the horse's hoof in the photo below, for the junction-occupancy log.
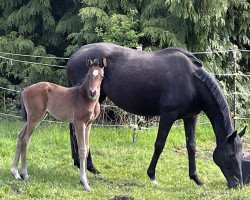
(154, 181)
(197, 180)
(93, 170)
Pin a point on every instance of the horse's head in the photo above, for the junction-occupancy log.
(228, 156)
(95, 76)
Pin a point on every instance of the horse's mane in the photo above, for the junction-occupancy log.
(216, 93)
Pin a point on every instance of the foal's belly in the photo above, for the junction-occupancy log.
(61, 113)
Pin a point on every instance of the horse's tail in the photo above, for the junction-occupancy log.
(23, 109)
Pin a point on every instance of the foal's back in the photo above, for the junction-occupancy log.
(48, 97)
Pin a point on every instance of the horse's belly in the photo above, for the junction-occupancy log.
(144, 107)
(136, 98)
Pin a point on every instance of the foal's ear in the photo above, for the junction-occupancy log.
(104, 62)
(89, 62)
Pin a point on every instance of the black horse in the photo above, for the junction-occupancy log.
(171, 83)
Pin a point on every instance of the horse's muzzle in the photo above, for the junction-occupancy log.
(234, 184)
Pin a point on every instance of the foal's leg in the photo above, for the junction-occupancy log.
(14, 168)
(166, 121)
(90, 165)
(82, 151)
(75, 156)
(189, 125)
(25, 142)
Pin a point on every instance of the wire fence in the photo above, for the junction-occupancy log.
(111, 115)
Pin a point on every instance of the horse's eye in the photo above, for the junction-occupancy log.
(232, 156)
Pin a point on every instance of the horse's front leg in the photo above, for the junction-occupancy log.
(83, 152)
(166, 121)
(189, 125)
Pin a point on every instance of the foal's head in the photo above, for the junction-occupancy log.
(95, 76)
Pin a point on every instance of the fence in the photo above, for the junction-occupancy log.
(111, 115)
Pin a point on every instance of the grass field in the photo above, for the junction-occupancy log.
(122, 163)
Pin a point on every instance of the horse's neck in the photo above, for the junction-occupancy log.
(222, 125)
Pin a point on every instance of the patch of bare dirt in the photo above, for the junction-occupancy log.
(122, 197)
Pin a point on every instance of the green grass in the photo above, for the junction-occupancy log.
(122, 163)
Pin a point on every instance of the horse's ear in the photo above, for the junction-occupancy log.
(243, 131)
(89, 62)
(104, 62)
(231, 137)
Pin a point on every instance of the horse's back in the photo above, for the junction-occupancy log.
(141, 82)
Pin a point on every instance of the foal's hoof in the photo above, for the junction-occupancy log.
(15, 174)
(25, 177)
(86, 187)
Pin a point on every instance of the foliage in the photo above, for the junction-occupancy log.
(120, 29)
(58, 28)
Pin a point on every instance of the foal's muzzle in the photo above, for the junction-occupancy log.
(92, 94)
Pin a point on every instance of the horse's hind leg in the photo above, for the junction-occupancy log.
(14, 168)
(74, 148)
(189, 124)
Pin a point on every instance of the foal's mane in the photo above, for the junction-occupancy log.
(81, 81)
(216, 93)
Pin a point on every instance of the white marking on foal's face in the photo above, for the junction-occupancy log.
(95, 72)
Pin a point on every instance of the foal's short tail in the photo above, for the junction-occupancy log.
(23, 109)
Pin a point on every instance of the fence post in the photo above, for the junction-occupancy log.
(234, 84)
(4, 102)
